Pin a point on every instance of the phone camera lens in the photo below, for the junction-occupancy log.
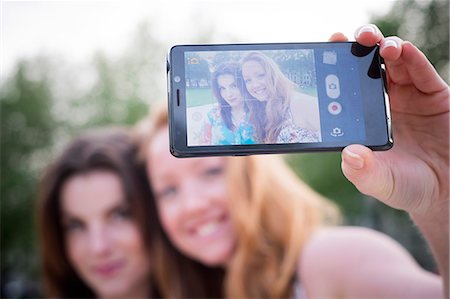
(177, 79)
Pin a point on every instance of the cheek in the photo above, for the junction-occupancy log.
(128, 237)
(169, 216)
(76, 249)
(223, 94)
(130, 243)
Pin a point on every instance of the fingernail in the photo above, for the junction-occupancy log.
(390, 43)
(353, 160)
(366, 28)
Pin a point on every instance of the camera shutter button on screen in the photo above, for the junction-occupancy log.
(332, 86)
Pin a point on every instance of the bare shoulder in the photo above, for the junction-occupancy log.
(305, 110)
(361, 262)
(346, 241)
(299, 98)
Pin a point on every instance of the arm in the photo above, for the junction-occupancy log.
(352, 262)
(305, 111)
(414, 175)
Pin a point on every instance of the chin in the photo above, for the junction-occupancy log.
(217, 258)
(113, 290)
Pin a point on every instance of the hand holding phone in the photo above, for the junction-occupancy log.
(276, 98)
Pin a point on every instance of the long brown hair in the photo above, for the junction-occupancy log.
(112, 149)
(273, 213)
(233, 69)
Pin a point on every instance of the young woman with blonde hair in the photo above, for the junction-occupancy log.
(252, 217)
(290, 116)
(257, 196)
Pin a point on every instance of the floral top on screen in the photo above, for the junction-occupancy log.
(217, 132)
(291, 133)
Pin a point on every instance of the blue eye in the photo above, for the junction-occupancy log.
(213, 171)
(73, 225)
(167, 192)
(121, 213)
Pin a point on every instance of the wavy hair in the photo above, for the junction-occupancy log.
(273, 213)
(280, 88)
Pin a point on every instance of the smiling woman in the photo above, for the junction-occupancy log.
(94, 227)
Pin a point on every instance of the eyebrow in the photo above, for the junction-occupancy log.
(123, 204)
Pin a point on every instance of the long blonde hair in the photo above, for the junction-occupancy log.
(280, 88)
(273, 213)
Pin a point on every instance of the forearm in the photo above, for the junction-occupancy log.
(435, 228)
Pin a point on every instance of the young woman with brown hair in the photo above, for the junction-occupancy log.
(94, 222)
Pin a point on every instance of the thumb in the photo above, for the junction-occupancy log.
(370, 174)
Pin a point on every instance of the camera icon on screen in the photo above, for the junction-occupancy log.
(332, 86)
(337, 132)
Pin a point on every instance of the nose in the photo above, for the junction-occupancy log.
(195, 199)
(227, 93)
(99, 241)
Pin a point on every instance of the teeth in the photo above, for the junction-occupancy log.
(207, 229)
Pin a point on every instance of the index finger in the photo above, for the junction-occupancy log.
(338, 37)
(422, 72)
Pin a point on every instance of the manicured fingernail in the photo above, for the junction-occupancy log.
(390, 43)
(366, 28)
(353, 160)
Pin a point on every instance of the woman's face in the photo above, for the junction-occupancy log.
(103, 240)
(256, 80)
(229, 90)
(193, 203)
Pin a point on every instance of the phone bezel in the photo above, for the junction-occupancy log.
(380, 135)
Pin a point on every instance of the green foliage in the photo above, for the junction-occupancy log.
(44, 103)
(26, 130)
(424, 23)
(322, 171)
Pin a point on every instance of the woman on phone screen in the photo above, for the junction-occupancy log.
(228, 121)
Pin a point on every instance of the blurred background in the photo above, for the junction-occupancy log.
(68, 66)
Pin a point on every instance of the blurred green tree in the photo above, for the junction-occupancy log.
(26, 131)
(44, 103)
(424, 23)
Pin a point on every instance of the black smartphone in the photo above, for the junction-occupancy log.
(243, 99)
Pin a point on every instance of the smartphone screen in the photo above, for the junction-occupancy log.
(274, 98)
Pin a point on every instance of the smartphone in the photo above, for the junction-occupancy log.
(244, 99)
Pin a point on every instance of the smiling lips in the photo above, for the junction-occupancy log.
(109, 269)
(259, 93)
(209, 228)
(232, 99)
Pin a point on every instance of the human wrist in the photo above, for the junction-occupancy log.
(434, 225)
(436, 214)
